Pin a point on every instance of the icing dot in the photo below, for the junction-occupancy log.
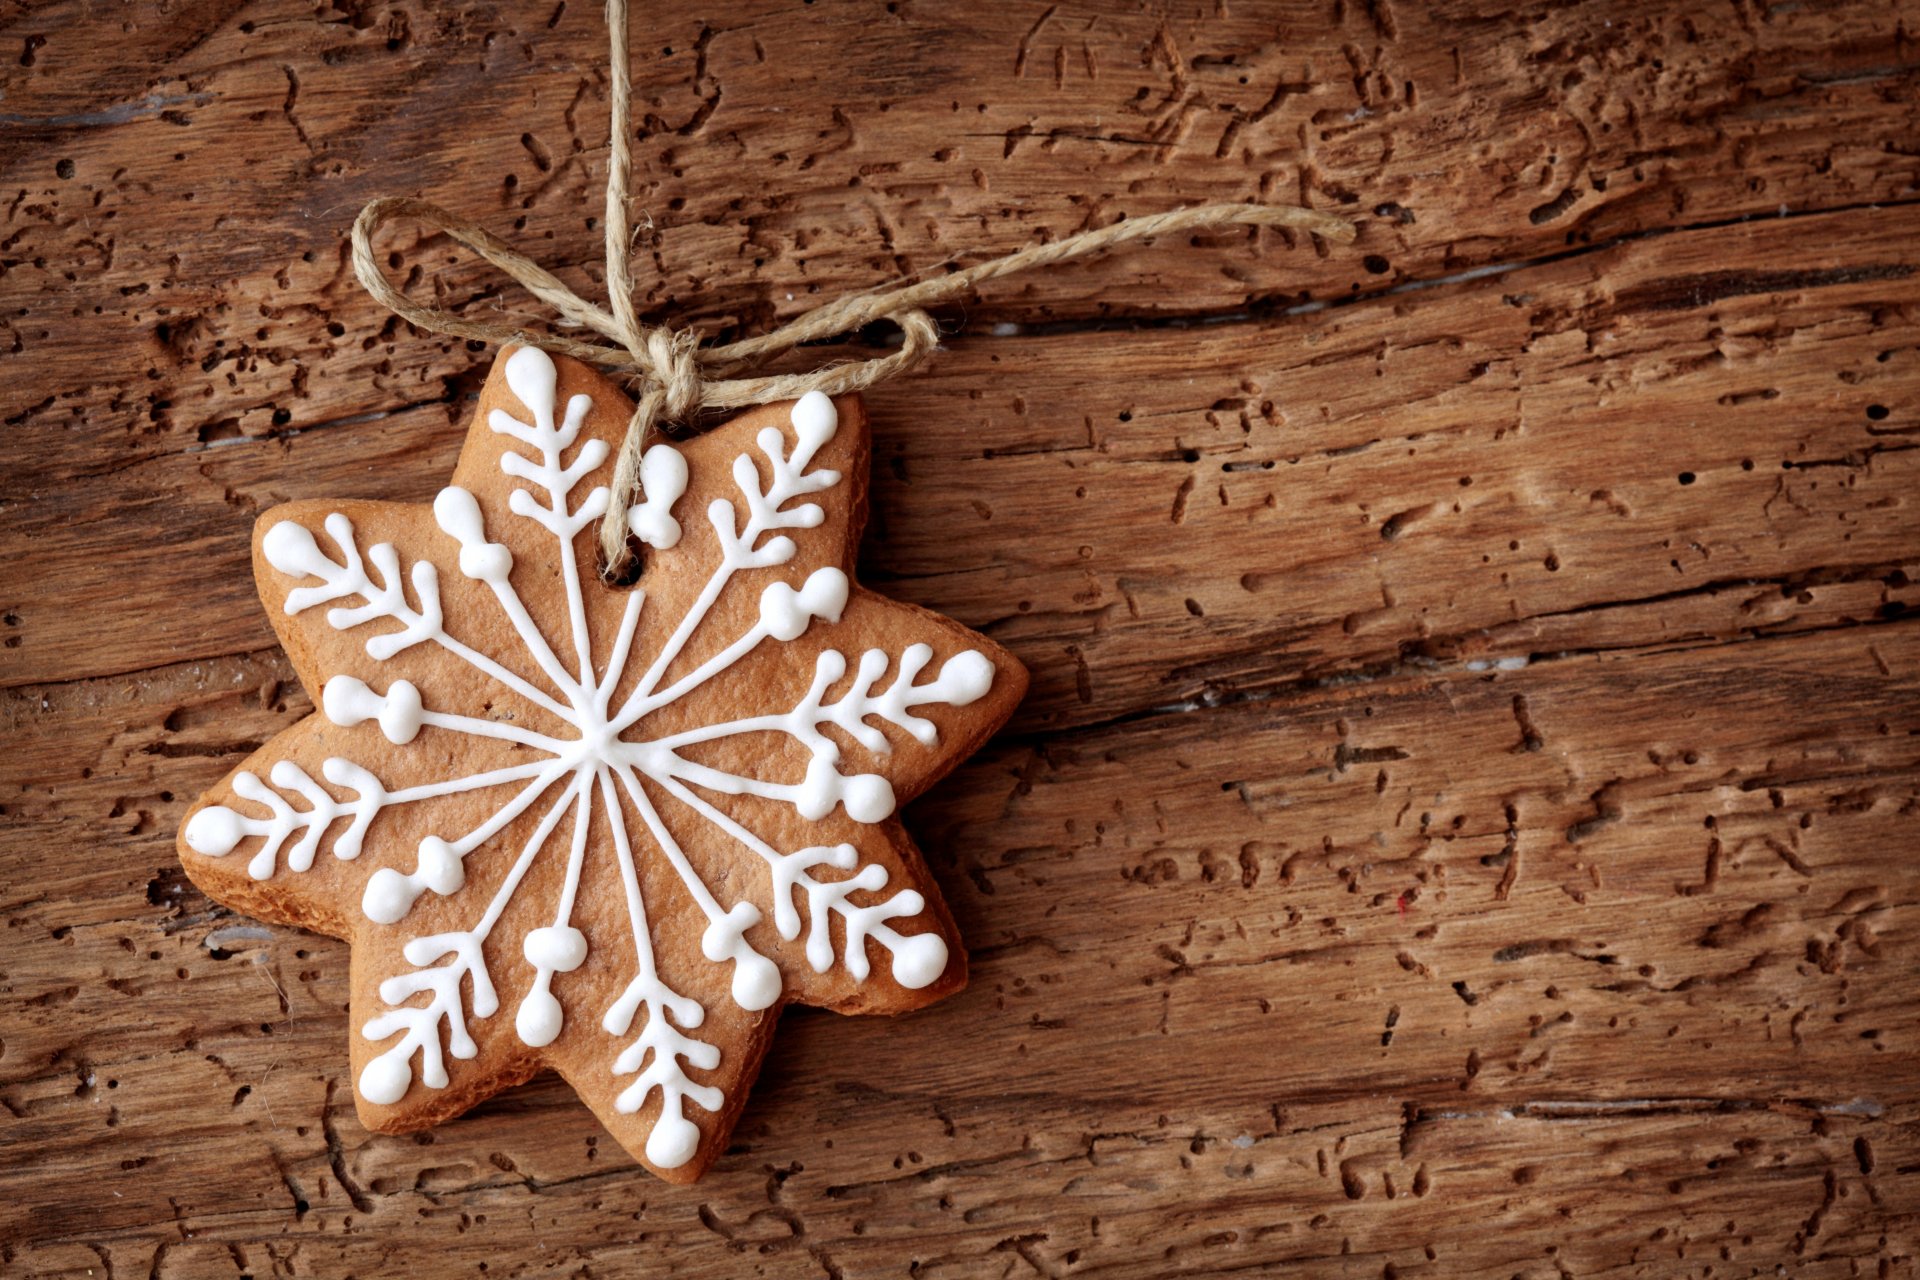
(389, 896)
(820, 790)
(532, 379)
(724, 936)
(348, 702)
(486, 561)
(290, 548)
(919, 960)
(214, 831)
(868, 797)
(824, 594)
(814, 415)
(401, 715)
(663, 478)
(457, 512)
(780, 612)
(384, 1081)
(966, 677)
(756, 981)
(673, 1141)
(556, 947)
(539, 1018)
(440, 867)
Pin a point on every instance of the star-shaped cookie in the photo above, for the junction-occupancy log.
(604, 831)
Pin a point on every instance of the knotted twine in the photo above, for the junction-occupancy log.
(678, 376)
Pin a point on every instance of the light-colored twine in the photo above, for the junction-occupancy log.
(678, 376)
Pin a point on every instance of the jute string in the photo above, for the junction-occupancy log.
(679, 376)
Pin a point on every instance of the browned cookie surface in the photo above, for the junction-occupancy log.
(608, 831)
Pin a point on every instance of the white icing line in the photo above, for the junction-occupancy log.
(918, 959)
(962, 680)
(756, 979)
(622, 646)
(291, 549)
(532, 377)
(674, 1138)
(815, 421)
(458, 514)
(559, 948)
(472, 782)
(389, 895)
(386, 1078)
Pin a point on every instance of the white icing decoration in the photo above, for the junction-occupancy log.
(348, 702)
(603, 757)
(663, 478)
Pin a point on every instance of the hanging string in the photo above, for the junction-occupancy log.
(678, 375)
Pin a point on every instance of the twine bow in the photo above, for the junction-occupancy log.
(678, 375)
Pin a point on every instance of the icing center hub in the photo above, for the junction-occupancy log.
(599, 741)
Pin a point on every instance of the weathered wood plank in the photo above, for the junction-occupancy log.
(1633, 443)
(202, 204)
(1389, 876)
(1644, 920)
(1332, 1190)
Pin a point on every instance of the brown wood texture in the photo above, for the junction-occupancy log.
(1464, 819)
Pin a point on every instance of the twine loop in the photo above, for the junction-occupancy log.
(678, 375)
(677, 371)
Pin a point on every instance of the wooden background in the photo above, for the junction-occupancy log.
(1464, 823)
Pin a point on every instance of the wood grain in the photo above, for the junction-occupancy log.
(1463, 821)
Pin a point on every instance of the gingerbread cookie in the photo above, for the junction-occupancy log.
(604, 831)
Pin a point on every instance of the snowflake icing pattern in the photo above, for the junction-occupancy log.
(602, 759)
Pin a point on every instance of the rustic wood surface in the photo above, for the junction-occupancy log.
(1464, 821)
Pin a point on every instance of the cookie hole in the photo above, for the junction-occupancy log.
(625, 578)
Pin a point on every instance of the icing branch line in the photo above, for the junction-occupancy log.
(481, 662)
(439, 864)
(637, 703)
(457, 513)
(756, 980)
(784, 615)
(527, 854)
(348, 701)
(550, 772)
(868, 797)
(559, 947)
(531, 376)
(918, 959)
(494, 729)
(815, 421)
(622, 646)
(385, 1079)
(473, 782)
(629, 876)
(216, 830)
(291, 549)
(674, 1138)
(963, 679)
